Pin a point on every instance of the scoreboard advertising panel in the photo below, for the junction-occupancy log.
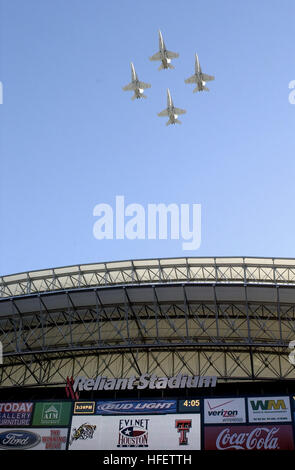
(224, 410)
(266, 429)
(249, 437)
(135, 431)
(136, 406)
(52, 414)
(16, 414)
(134, 424)
(33, 439)
(265, 409)
(214, 423)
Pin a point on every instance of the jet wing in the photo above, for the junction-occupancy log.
(179, 111)
(157, 56)
(144, 85)
(163, 113)
(207, 78)
(192, 79)
(128, 87)
(171, 55)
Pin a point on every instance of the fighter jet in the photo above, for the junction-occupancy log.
(164, 55)
(199, 77)
(171, 111)
(136, 85)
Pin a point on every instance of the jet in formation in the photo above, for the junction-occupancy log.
(199, 78)
(135, 85)
(164, 55)
(171, 111)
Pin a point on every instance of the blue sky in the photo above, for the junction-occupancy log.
(71, 138)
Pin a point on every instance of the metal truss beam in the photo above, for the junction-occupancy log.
(266, 271)
(234, 364)
(234, 316)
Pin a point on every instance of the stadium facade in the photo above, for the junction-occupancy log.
(227, 317)
(153, 330)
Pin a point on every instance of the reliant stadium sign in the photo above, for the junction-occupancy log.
(145, 381)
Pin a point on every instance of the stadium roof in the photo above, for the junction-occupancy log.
(246, 270)
(231, 317)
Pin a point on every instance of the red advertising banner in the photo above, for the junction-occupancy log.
(260, 437)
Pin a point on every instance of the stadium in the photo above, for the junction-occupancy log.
(228, 317)
(224, 324)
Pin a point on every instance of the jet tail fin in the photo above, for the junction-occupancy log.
(134, 97)
(169, 66)
(204, 88)
(176, 121)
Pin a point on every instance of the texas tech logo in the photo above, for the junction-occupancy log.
(133, 432)
(183, 427)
